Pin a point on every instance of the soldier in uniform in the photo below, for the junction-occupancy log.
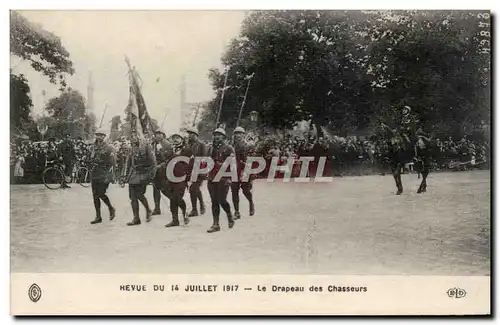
(242, 149)
(219, 151)
(176, 188)
(161, 148)
(102, 162)
(68, 157)
(198, 149)
(141, 162)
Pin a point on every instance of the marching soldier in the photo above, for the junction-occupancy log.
(242, 149)
(103, 160)
(218, 189)
(176, 188)
(161, 148)
(142, 164)
(198, 149)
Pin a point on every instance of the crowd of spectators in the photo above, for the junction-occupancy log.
(345, 156)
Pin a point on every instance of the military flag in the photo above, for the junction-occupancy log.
(140, 121)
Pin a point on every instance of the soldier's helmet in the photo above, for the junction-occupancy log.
(192, 130)
(239, 129)
(100, 131)
(177, 138)
(160, 130)
(220, 131)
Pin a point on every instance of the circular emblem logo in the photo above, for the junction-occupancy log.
(34, 292)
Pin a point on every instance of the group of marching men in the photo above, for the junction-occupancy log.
(147, 163)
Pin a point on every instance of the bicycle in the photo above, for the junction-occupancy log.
(54, 176)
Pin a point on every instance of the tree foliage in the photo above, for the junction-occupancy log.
(346, 69)
(41, 48)
(20, 104)
(69, 117)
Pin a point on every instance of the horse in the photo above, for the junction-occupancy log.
(418, 151)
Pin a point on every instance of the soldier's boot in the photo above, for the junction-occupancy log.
(97, 219)
(135, 211)
(252, 208)
(193, 213)
(149, 213)
(215, 227)
(157, 200)
(112, 210)
(400, 188)
(175, 220)
(97, 206)
(186, 218)
(237, 214)
(230, 220)
(202, 207)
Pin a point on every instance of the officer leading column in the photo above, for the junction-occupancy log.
(101, 174)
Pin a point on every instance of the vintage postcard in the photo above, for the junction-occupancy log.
(272, 162)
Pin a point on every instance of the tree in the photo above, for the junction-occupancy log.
(68, 111)
(432, 61)
(345, 69)
(306, 65)
(20, 104)
(43, 49)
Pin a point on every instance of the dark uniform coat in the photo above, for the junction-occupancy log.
(103, 160)
(242, 151)
(196, 149)
(142, 164)
(161, 150)
(219, 154)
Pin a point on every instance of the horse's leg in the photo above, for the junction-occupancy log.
(396, 173)
(425, 171)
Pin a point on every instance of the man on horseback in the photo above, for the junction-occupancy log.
(407, 145)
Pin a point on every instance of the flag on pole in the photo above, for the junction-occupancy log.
(140, 120)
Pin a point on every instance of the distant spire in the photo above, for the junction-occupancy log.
(182, 90)
(90, 94)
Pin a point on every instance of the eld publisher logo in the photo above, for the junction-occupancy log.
(34, 292)
(456, 293)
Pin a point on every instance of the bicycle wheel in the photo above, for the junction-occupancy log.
(83, 176)
(52, 178)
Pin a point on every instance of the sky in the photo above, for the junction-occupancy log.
(161, 44)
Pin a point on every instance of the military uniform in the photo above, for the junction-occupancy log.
(142, 163)
(161, 149)
(197, 150)
(242, 150)
(101, 174)
(68, 155)
(177, 189)
(218, 189)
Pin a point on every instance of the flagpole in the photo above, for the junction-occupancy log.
(222, 98)
(244, 101)
(196, 115)
(103, 113)
(164, 119)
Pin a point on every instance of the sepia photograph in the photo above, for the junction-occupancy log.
(318, 143)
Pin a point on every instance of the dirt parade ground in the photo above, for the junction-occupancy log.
(354, 225)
